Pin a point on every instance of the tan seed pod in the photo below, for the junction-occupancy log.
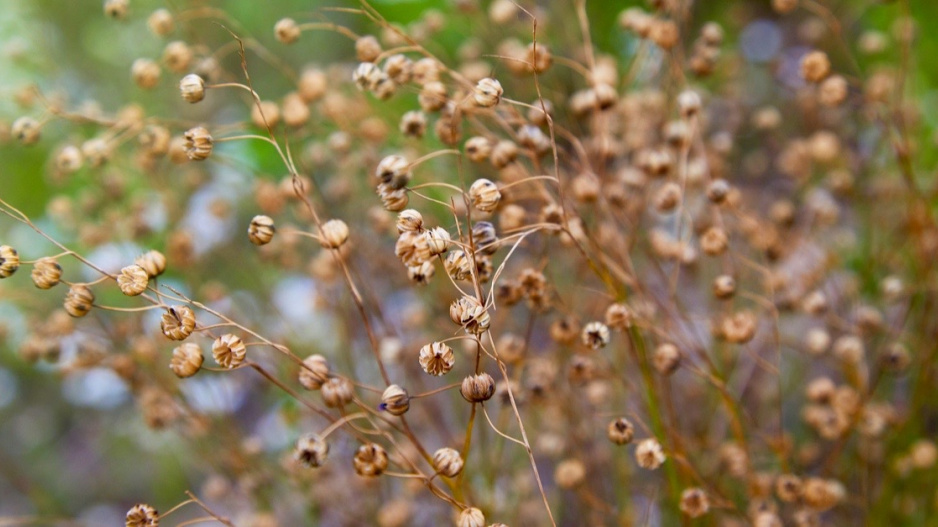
(198, 143)
(619, 316)
(314, 372)
(570, 473)
(142, 515)
(46, 273)
(694, 502)
(187, 360)
(367, 48)
(395, 400)
(438, 240)
(393, 171)
(470, 517)
(413, 124)
(25, 130)
(337, 392)
(229, 351)
(815, 66)
(311, 450)
(177, 56)
(784, 6)
(393, 200)
(649, 454)
(432, 97)
(261, 230)
(69, 160)
(265, 114)
(370, 460)
(192, 88)
(503, 153)
(788, 488)
(487, 92)
(458, 266)
(133, 280)
(620, 431)
(833, 90)
(409, 220)
(714, 241)
(448, 462)
(9, 261)
(478, 148)
(595, 335)
(470, 314)
(666, 358)
(477, 388)
(79, 300)
(421, 274)
(399, 68)
(436, 358)
(334, 234)
(178, 322)
(145, 73)
(116, 9)
(312, 85)
(153, 262)
(161, 22)
(287, 31)
(724, 286)
(484, 195)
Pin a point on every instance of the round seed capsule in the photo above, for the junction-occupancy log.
(395, 400)
(448, 462)
(229, 351)
(9, 261)
(311, 450)
(178, 322)
(187, 360)
(261, 230)
(46, 273)
(370, 460)
(133, 280)
(142, 515)
(437, 358)
(79, 300)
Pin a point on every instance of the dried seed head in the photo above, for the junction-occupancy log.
(265, 114)
(484, 238)
(649, 454)
(470, 314)
(668, 197)
(178, 322)
(833, 91)
(312, 85)
(367, 76)
(46, 272)
(141, 514)
(448, 462)
(367, 48)
(409, 220)
(438, 240)
(896, 357)
(432, 96)
(503, 153)
(694, 502)
(187, 360)
(69, 159)
(488, 92)
(311, 450)
(817, 340)
(421, 274)
(133, 280)
(177, 56)
(471, 517)
(161, 23)
(815, 66)
(261, 230)
(436, 358)
(9, 261)
(399, 68)
(714, 241)
(478, 148)
(666, 358)
(458, 265)
(822, 494)
(334, 234)
(314, 372)
(287, 31)
(198, 143)
(718, 190)
(153, 262)
(689, 104)
(118, 9)
(79, 300)
(739, 328)
(849, 348)
(820, 390)
(145, 73)
(413, 248)
(484, 195)
(25, 130)
(395, 400)
(595, 335)
(337, 392)
(393, 171)
(788, 488)
(192, 88)
(620, 431)
(724, 286)
(477, 388)
(370, 460)
(413, 124)
(426, 70)
(229, 351)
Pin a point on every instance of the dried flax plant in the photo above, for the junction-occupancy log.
(538, 282)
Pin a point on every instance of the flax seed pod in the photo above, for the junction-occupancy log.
(229, 351)
(458, 266)
(337, 392)
(470, 314)
(311, 450)
(438, 240)
(371, 460)
(153, 262)
(399, 68)
(409, 220)
(192, 88)
(117, 9)
(714, 241)
(265, 114)
(478, 148)
(46, 273)
(133, 280)
(145, 73)
(395, 400)
(448, 462)
(570, 473)
(79, 300)
(413, 124)
(649, 454)
(367, 48)
(178, 322)
(198, 143)
(477, 388)
(393, 171)
(314, 372)
(815, 66)
(694, 502)
(142, 515)
(161, 23)
(334, 234)
(619, 316)
(666, 358)
(724, 286)
(595, 335)
(470, 517)
(484, 195)
(436, 358)
(287, 31)
(393, 200)
(620, 431)
(261, 230)
(9, 261)
(487, 92)
(187, 360)
(421, 274)
(312, 85)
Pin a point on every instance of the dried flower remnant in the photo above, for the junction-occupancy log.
(436, 358)
(649, 454)
(311, 450)
(187, 360)
(142, 515)
(46, 272)
(178, 322)
(229, 351)
(9, 261)
(371, 460)
(448, 462)
(79, 300)
(133, 280)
